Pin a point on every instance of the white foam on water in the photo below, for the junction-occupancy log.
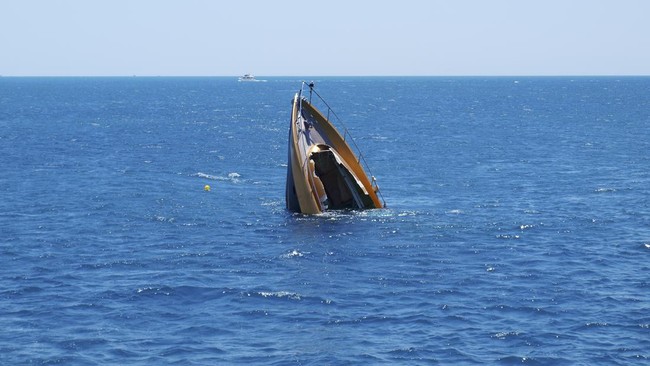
(232, 177)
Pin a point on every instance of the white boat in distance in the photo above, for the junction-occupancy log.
(249, 77)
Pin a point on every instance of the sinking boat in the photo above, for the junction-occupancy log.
(323, 172)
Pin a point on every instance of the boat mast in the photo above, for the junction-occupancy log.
(311, 88)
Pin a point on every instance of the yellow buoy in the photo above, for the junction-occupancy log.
(206, 188)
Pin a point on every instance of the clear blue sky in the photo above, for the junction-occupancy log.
(327, 37)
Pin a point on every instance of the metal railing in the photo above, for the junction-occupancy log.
(346, 133)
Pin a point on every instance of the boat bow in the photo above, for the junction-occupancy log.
(323, 172)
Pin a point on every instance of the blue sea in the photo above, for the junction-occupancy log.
(517, 227)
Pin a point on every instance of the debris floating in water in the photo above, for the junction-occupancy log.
(206, 188)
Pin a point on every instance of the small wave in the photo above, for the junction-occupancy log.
(596, 324)
(517, 360)
(293, 254)
(407, 213)
(154, 291)
(505, 335)
(207, 176)
(287, 295)
(280, 294)
(163, 218)
(232, 177)
(604, 190)
(363, 319)
(507, 236)
(272, 203)
(403, 350)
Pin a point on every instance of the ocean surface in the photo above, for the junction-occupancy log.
(517, 229)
